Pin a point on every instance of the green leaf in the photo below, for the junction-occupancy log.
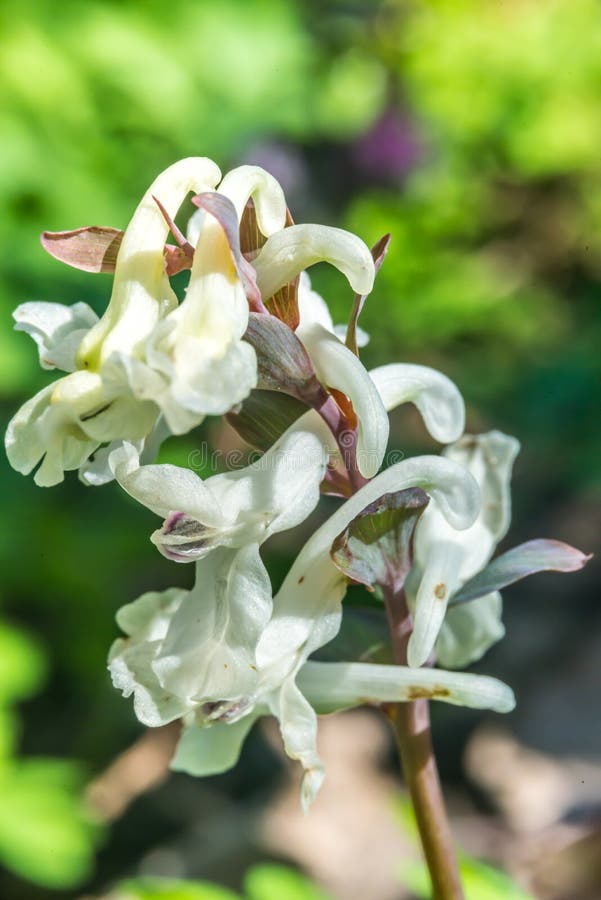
(375, 549)
(273, 882)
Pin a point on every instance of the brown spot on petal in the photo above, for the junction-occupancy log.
(440, 591)
(424, 693)
(301, 579)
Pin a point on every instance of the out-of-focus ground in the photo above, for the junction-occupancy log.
(527, 813)
(471, 132)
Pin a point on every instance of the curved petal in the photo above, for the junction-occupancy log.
(445, 558)
(163, 488)
(208, 654)
(312, 308)
(97, 471)
(248, 505)
(23, 442)
(283, 485)
(246, 182)
(306, 610)
(436, 397)
(469, 630)
(298, 726)
(489, 457)
(146, 622)
(141, 290)
(209, 383)
(338, 367)
(438, 582)
(210, 750)
(54, 426)
(289, 251)
(331, 686)
(57, 330)
(198, 348)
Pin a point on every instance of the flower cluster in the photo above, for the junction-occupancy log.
(252, 340)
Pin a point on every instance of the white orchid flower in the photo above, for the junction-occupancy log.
(225, 653)
(65, 422)
(237, 507)
(446, 558)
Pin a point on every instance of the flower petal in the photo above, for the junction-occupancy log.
(298, 726)
(57, 426)
(338, 367)
(146, 622)
(332, 686)
(283, 485)
(307, 611)
(222, 210)
(252, 182)
(439, 579)
(436, 397)
(141, 290)
(56, 329)
(289, 251)
(444, 557)
(97, 471)
(163, 488)
(490, 458)
(210, 750)
(312, 308)
(469, 630)
(273, 494)
(208, 654)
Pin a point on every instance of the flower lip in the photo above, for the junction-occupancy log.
(182, 537)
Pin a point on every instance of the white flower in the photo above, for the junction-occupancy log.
(446, 558)
(377, 392)
(313, 309)
(232, 509)
(225, 653)
(195, 361)
(65, 422)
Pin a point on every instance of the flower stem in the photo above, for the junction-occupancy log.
(346, 438)
(411, 721)
(411, 724)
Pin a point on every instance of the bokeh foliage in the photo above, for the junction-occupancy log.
(468, 128)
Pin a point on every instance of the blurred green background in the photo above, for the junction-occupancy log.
(470, 130)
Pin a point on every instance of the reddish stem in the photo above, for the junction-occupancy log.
(346, 438)
(411, 724)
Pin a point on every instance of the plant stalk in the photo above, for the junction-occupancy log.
(411, 725)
